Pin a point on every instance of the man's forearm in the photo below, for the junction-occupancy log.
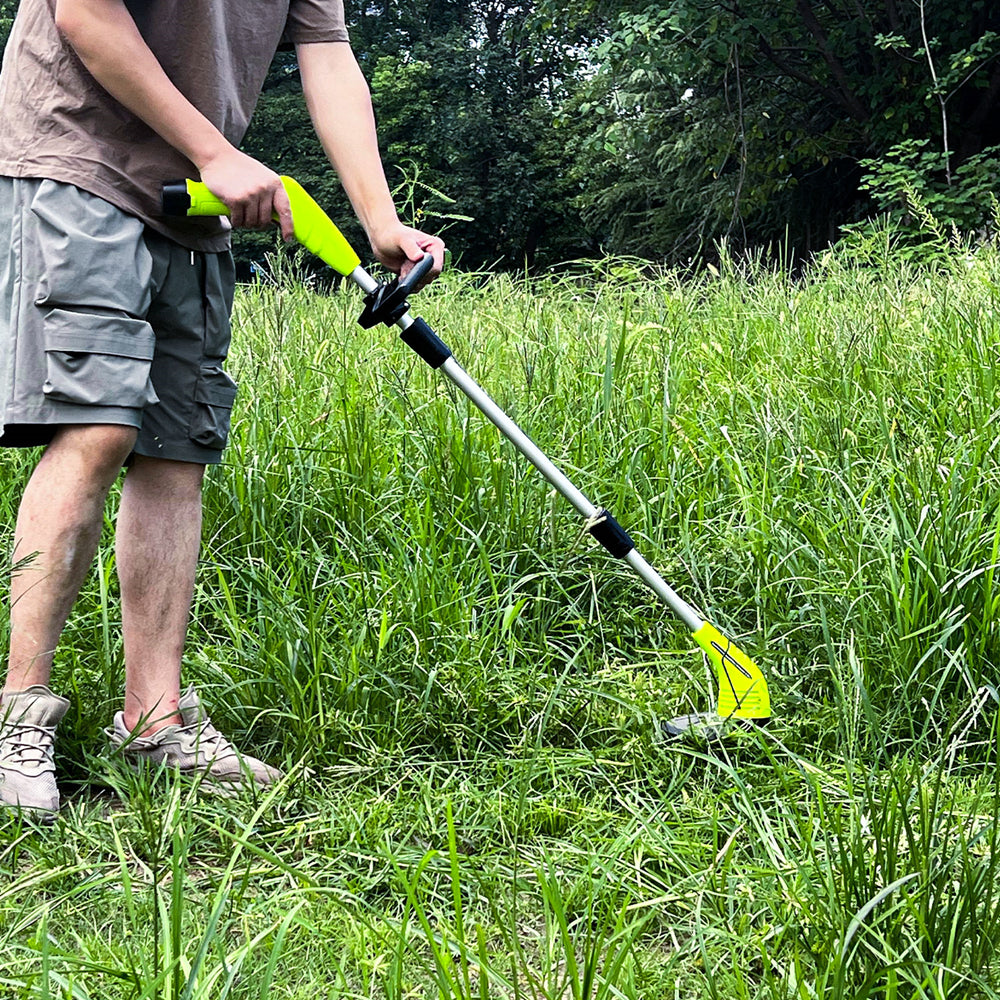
(340, 106)
(104, 36)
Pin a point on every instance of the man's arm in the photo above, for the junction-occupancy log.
(104, 36)
(339, 103)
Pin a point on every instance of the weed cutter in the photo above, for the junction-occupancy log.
(743, 690)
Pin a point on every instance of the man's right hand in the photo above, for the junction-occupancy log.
(253, 192)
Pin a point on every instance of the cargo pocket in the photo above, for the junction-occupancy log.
(213, 404)
(98, 367)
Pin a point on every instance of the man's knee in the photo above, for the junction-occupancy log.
(102, 448)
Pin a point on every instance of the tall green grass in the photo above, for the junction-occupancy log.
(468, 694)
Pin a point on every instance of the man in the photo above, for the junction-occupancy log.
(114, 323)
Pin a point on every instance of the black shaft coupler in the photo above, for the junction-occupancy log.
(385, 305)
(610, 534)
(426, 343)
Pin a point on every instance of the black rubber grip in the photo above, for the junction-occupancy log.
(176, 200)
(611, 534)
(426, 343)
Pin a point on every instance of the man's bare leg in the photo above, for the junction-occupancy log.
(157, 544)
(60, 519)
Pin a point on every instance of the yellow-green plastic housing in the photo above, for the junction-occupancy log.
(742, 687)
(314, 229)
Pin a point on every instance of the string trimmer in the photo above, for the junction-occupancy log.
(743, 690)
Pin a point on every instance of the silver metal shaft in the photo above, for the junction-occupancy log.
(517, 437)
(544, 465)
(483, 402)
(664, 591)
(364, 281)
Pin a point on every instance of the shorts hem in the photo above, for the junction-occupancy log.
(179, 452)
(35, 433)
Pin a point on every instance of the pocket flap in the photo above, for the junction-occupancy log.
(215, 388)
(98, 333)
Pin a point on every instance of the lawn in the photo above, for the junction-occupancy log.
(468, 694)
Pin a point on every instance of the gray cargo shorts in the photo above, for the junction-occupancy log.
(103, 321)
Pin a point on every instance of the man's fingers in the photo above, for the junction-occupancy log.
(437, 250)
(412, 250)
(259, 209)
(266, 209)
(283, 209)
(428, 244)
(237, 214)
(253, 192)
(401, 248)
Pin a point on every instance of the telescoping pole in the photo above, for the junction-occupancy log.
(743, 691)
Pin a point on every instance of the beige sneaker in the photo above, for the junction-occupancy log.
(194, 748)
(28, 721)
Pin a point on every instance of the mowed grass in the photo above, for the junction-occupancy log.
(468, 693)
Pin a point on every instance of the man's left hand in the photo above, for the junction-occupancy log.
(400, 248)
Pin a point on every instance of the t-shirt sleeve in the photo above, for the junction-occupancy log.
(316, 21)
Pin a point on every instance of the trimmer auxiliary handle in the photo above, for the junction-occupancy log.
(743, 690)
(387, 304)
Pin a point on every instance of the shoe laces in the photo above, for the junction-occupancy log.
(207, 739)
(25, 744)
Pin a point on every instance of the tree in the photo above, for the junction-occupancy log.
(467, 96)
(8, 8)
(471, 126)
(762, 122)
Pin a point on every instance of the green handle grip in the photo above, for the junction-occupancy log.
(314, 229)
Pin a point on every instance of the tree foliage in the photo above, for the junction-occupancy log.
(535, 132)
(766, 121)
(466, 97)
(8, 8)
(470, 119)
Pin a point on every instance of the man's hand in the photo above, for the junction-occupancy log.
(399, 248)
(253, 192)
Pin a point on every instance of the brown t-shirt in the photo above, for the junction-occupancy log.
(57, 122)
